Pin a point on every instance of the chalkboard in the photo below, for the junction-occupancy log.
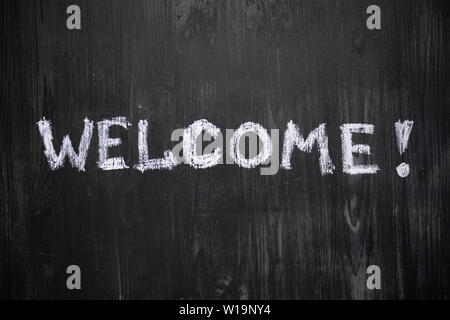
(313, 230)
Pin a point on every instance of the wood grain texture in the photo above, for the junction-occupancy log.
(225, 232)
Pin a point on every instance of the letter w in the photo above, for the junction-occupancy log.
(57, 161)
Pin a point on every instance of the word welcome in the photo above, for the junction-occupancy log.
(262, 148)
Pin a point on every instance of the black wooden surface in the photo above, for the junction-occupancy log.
(225, 232)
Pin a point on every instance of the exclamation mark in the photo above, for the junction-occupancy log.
(402, 131)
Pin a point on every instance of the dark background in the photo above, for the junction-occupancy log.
(225, 232)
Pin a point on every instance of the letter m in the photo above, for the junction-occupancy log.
(57, 161)
(293, 137)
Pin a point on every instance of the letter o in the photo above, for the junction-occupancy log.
(264, 154)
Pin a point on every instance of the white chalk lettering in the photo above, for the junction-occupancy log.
(293, 137)
(348, 148)
(57, 161)
(105, 142)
